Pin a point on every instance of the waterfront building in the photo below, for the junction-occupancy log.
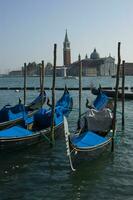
(128, 67)
(15, 73)
(94, 66)
(33, 69)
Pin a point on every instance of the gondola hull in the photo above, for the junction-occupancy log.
(38, 128)
(111, 93)
(79, 154)
(43, 136)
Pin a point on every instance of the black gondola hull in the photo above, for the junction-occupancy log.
(78, 155)
(43, 136)
(111, 93)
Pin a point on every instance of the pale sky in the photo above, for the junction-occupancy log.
(29, 29)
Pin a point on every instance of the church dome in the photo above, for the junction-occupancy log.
(94, 55)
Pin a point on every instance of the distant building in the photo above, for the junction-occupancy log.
(128, 67)
(48, 69)
(108, 68)
(94, 66)
(60, 71)
(33, 69)
(15, 73)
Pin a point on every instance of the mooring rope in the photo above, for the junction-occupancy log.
(45, 137)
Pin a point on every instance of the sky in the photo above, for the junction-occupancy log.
(29, 29)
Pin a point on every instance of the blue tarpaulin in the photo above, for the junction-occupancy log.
(15, 131)
(87, 139)
(101, 101)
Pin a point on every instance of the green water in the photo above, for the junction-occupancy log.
(44, 173)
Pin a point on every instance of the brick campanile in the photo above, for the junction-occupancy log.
(66, 51)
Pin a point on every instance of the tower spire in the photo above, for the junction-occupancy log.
(66, 37)
(66, 51)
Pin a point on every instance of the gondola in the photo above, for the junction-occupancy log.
(96, 115)
(87, 145)
(92, 135)
(13, 115)
(37, 129)
(101, 101)
(65, 102)
(19, 137)
(111, 93)
(62, 108)
(36, 103)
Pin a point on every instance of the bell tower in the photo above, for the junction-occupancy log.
(66, 51)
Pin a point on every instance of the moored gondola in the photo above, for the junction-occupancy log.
(37, 128)
(87, 145)
(102, 101)
(111, 93)
(37, 102)
(13, 115)
(18, 137)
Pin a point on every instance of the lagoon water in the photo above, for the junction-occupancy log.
(40, 173)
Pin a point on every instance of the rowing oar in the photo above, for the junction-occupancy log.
(66, 130)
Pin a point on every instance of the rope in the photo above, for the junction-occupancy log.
(45, 137)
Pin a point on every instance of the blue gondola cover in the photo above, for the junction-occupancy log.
(15, 132)
(87, 139)
(101, 101)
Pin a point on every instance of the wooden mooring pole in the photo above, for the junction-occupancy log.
(80, 85)
(123, 94)
(25, 82)
(53, 96)
(116, 95)
(40, 77)
(42, 84)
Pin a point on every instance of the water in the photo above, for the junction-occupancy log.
(40, 173)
